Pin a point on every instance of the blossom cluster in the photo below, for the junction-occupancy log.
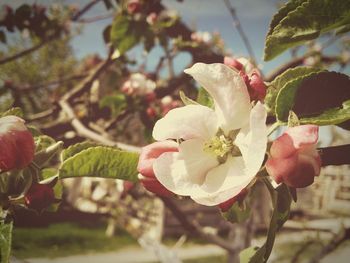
(17, 149)
(213, 155)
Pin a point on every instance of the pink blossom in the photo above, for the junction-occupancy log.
(152, 18)
(294, 158)
(16, 144)
(148, 155)
(134, 6)
(251, 76)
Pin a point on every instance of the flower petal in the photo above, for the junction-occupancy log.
(151, 152)
(197, 161)
(181, 172)
(191, 121)
(230, 94)
(303, 135)
(171, 172)
(252, 140)
(222, 183)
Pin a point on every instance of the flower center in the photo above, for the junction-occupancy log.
(218, 145)
(221, 146)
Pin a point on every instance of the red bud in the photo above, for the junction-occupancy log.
(39, 196)
(16, 144)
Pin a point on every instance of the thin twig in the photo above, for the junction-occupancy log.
(89, 134)
(333, 245)
(82, 11)
(238, 26)
(27, 51)
(95, 18)
(193, 227)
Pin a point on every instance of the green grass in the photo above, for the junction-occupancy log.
(216, 259)
(59, 240)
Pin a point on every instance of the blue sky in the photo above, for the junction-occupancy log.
(203, 15)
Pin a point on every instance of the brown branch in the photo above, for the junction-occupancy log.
(238, 26)
(333, 245)
(89, 134)
(87, 82)
(335, 155)
(94, 19)
(302, 249)
(294, 63)
(82, 11)
(193, 227)
(27, 51)
(54, 82)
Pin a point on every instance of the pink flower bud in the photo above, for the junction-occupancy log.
(39, 196)
(294, 158)
(151, 112)
(233, 63)
(134, 6)
(16, 144)
(225, 206)
(257, 87)
(148, 155)
(152, 18)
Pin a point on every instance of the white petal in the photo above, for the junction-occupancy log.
(191, 121)
(230, 94)
(247, 65)
(252, 140)
(171, 172)
(222, 183)
(181, 171)
(197, 162)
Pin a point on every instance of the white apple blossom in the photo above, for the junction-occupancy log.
(220, 150)
(139, 84)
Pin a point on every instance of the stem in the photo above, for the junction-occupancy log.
(239, 28)
(335, 155)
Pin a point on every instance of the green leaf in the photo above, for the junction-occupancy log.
(293, 119)
(204, 98)
(252, 255)
(330, 106)
(42, 142)
(76, 148)
(5, 241)
(278, 83)
(300, 21)
(13, 111)
(126, 33)
(117, 103)
(236, 215)
(281, 200)
(102, 162)
(186, 100)
(283, 12)
(45, 155)
(16, 183)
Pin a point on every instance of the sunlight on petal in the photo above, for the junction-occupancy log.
(191, 121)
(230, 94)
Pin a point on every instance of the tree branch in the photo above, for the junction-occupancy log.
(238, 26)
(89, 134)
(333, 245)
(27, 51)
(193, 227)
(335, 155)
